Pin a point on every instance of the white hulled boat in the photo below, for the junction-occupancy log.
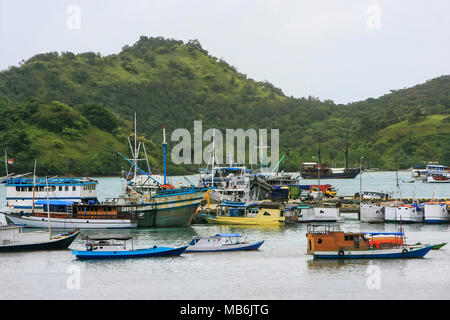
(66, 203)
(406, 213)
(371, 212)
(436, 212)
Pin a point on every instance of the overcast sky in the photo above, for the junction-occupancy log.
(343, 50)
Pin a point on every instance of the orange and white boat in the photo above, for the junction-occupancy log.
(328, 242)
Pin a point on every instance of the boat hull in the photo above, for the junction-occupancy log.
(397, 253)
(371, 213)
(236, 247)
(242, 221)
(171, 210)
(60, 223)
(348, 174)
(63, 243)
(143, 253)
(436, 213)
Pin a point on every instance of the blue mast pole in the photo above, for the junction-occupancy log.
(164, 154)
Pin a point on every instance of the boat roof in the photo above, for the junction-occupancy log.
(236, 204)
(108, 237)
(384, 233)
(51, 181)
(227, 235)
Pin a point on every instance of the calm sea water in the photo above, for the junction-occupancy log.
(279, 270)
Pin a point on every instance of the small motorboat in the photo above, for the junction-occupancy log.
(222, 242)
(107, 247)
(328, 242)
(12, 238)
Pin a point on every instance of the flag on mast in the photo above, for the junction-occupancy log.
(11, 161)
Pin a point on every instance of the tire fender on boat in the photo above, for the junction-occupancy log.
(404, 251)
(341, 253)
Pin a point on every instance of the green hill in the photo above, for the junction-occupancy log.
(170, 83)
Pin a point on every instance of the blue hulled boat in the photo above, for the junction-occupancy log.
(105, 247)
(328, 242)
(222, 242)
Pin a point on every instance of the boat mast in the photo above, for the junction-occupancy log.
(318, 173)
(360, 181)
(34, 184)
(164, 154)
(135, 149)
(6, 163)
(346, 153)
(48, 210)
(213, 154)
(261, 156)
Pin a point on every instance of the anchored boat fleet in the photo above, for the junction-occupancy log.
(147, 200)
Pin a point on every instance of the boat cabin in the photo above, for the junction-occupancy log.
(108, 242)
(376, 195)
(250, 210)
(331, 238)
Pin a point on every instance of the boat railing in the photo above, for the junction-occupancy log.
(322, 229)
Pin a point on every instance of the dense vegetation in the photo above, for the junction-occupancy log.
(71, 111)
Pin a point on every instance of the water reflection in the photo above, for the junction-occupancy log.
(335, 264)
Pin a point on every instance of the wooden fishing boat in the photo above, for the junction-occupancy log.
(12, 238)
(105, 247)
(241, 213)
(328, 242)
(222, 242)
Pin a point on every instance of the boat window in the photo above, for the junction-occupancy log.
(60, 188)
(30, 188)
(319, 241)
(66, 188)
(348, 238)
(266, 213)
(74, 188)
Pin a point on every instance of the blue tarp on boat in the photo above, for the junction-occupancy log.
(385, 233)
(228, 235)
(235, 204)
(55, 202)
